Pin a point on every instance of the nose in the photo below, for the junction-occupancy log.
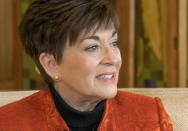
(110, 56)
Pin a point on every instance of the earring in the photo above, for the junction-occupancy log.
(56, 78)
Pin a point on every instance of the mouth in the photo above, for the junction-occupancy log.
(108, 77)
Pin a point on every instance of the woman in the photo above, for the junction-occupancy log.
(75, 46)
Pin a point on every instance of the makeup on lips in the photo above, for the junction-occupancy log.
(108, 77)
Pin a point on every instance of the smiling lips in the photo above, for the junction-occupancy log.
(106, 77)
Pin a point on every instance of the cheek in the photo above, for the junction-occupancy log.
(119, 60)
(82, 65)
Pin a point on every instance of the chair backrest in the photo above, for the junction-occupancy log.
(175, 101)
(11, 96)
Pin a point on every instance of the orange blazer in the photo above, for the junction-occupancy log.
(125, 112)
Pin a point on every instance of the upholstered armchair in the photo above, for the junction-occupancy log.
(175, 101)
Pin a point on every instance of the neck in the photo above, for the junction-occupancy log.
(79, 103)
(83, 106)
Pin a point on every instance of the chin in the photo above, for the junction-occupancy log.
(110, 92)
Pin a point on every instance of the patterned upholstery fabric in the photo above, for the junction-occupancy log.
(175, 101)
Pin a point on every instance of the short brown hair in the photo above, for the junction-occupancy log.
(48, 24)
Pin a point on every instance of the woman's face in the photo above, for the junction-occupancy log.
(90, 68)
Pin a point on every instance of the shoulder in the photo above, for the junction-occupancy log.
(134, 103)
(127, 98)
(23, 111)
(141, 109)
(142, 102)
(135, 106)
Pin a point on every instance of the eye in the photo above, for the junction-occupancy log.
(92, 48)
(115, 44)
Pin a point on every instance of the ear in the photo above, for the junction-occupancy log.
(49, 64)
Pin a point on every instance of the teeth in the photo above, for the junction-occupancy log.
(105, 76)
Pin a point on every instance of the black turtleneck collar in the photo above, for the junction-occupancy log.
(76, 120)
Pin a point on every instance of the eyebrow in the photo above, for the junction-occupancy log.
(97, 38)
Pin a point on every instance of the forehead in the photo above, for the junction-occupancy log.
(96, 30)
(93, 32)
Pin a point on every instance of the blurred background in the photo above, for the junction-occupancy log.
(153, 42)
